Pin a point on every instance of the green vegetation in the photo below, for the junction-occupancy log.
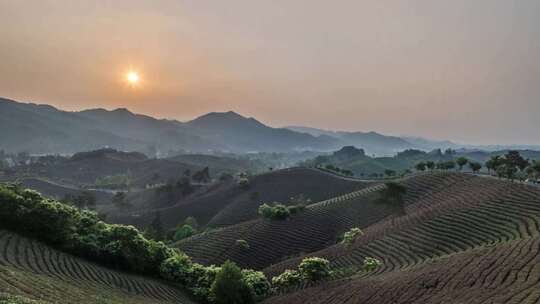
(371, 264)
(183, 232)
(257, 283)
(311, 269)
(461, 161)
(242, 244)
(287, 279)
(350, 236)
(337, 170)
(119, 181)
(11, 299)
(82, 233)
(229, 286)
(314, 269)
(475, 166)
(275, 212)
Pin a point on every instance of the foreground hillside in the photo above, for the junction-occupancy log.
(36, 271)
(473, 241)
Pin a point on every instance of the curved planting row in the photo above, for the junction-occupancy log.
(280, 186)
(477, 213)
(506, 273)
(316, 228)
(34, 258)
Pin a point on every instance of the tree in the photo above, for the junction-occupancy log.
(461, 161)
(389, 172)
(276, 211)
(314, 269)
(183, 232)
(494, 162)
(536, 167)
(202, 176)
(257, 283)
(286, 279)
(229, 286)
(85, 200)
(155, 230)
(192, 221)
(475, 166)
(421, 166)
(513, 158)
(371, 264)
(350, 236)
(430, 165)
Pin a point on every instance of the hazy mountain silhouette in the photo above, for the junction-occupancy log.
(45, 129)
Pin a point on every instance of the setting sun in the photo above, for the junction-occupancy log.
(133, 78)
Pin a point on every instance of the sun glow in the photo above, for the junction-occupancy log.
(132, 78)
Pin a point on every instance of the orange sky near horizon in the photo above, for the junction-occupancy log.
(460, 70)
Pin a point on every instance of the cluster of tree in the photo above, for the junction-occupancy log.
(448, 165)
(174, 190)
(82, 233)
(278, 211)
(185, 229)
(313, 269)
(512, 165)
(243, 180)
(119, 181)
(202, 176)
(335, 169)
(310, 270)
(84, 200)
(350, 236)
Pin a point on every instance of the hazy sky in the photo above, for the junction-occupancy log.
(466, 70)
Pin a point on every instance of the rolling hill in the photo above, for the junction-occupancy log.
(228, 204)
(42, 129)
(472, 241)
(38, 272)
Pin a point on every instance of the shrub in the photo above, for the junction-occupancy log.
(350, 236)
(257, 283)
(275, 212)
(314, 269)
(183, 232)
(242, 244)
(229, 286)
(287, 279)
(371, 264)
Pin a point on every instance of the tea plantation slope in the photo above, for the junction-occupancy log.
(503, 273)
(466, 215)
(229, 204)
(36, 271)
(318, 227)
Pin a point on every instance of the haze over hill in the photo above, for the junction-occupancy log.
(44, 129)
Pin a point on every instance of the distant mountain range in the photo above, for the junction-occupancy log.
(41, 129)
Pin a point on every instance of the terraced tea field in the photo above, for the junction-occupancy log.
(231, 204)
(476, 240)
(36, 271)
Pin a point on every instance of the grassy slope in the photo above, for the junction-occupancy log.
(35, 271)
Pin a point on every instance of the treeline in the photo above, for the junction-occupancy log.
(82, 233)
(510, 165)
